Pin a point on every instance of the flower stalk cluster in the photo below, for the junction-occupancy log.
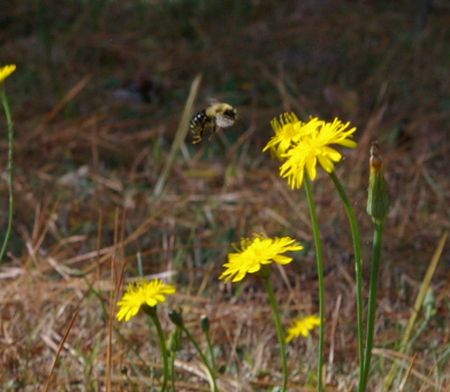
(254, 257)
(145, 296)
(300, 147)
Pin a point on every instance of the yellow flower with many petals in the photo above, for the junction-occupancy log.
(5, 71)
(286, 130)
(302, 327)
(311, 145)
(257, 252)
(142, 294)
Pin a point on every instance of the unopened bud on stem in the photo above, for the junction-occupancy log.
(204, 323)
(176, 316)
(378, 198)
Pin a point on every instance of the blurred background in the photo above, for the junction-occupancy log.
(97, 97)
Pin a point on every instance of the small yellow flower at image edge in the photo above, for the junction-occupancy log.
(6, 70)
(302, 145)
(256, 252)
(142, 293)
(302, 327)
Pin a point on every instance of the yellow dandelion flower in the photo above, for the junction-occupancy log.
(315, 147)
(288, 132)
(140, 294)
(6, 70)
(256, 252)
(302, 327)
(286, 129)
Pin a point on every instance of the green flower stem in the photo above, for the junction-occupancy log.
(151, 311)
(279, 329)
(174, 345)
(202, 356)
(356, 237)
(320, 274)
(211, 352)
(172, 369)
(374, 268)
(10, 170)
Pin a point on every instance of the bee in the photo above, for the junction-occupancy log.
(216, 116)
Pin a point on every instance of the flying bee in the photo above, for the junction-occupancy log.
(216, 116)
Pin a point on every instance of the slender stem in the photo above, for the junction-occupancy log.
(10, 171)
(174, 345)
(320, 274)
(211, 352)
(202, 356)
(279, 329)
(356, 238)
(162, 344)
(374, 268)
(172, 369)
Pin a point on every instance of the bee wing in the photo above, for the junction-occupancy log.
(224, 121)
(212, 101)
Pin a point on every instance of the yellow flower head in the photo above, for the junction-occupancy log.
(5, 71)
(311, 144)
(302, 327)
(286, 130)
(140, 294)
(256, 252)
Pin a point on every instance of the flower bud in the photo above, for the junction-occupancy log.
(176, 317)
(378, 198)
(204, 323)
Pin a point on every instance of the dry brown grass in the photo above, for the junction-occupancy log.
(90, 150)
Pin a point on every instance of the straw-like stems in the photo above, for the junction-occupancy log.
(202, 356)
(356, 238)
(10, 170)
(180, 135)
(320, 274)
(279, 329)
(418, 304)
(151, 311)
(374, 269)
